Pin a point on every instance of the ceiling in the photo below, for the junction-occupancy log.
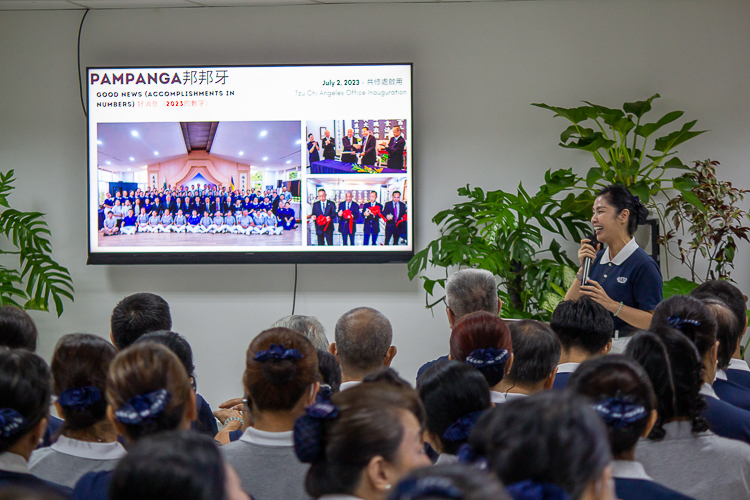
(265, 145)
(151, 4)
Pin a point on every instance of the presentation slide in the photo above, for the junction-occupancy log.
(250, 164)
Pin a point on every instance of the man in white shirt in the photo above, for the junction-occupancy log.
(363, 344)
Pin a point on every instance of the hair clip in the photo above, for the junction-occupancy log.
(143, 409)
(11, 422)
(79, 398)
(426, 487)
(484, 359)
(677, 322)
(324, 394)
(308, 431)
(530, 490)
(277, 352)
(461, 428)
(468, 455)
(620, 413)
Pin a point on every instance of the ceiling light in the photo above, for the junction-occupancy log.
(156, 153)
(108, 162)
(263, 133)
(299, 141)
(99, 142)
(242, 153)
(134, 133)
(289, 161)
(128, 169)
(131, 159)
(265, 158)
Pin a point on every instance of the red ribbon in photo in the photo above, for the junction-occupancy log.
(375, 210)
(402, 219)
(323, 220)
(347, 214)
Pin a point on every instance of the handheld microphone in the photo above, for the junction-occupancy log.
(586, 271)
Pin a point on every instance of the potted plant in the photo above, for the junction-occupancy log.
(38, 278)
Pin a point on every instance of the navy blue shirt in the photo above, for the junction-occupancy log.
(739, 377)
(21, 480)
(726, 420)
(734, 394)
(425, 366)
(206, 422)
(50, 434)
(93, 486)
(636, 282)
(643, 489)
(561, 381)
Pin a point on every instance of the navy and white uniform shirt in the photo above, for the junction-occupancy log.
(632, 483)
(632, 277)
(723, 418)
(738, 372)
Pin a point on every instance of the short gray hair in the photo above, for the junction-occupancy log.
(309, 326)
(471, 290)
(363, 337)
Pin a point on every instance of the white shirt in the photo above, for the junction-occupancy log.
(265, 438)
(738, 364)
(622, 255)
(339, 497)
(12, 462)
(629, 469)
(567, 367)
(85, 449)
(349, 385)
(707, 390)
(502, 397)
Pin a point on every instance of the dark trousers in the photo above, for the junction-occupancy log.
(347, 236)
(392, 232)
(374, 238)
(326, 237)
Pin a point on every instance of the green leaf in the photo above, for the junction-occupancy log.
(646, 129)
(678, 286)
(639, 108)
(669, 142)
(575, 115)
(641, 190)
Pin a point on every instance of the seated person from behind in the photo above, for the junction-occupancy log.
(585, 331)
(468, 291)
(536, 353)
(363, 344)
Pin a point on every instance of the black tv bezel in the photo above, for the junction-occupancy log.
(243, 257)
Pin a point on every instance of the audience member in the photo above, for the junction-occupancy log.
(585, 331)
(727, 329)
(362, 443)
(309, 326)
(737, 370)
(138, 314)
(25, 493)
(454, 481)
(536, 353)
(206, 422)
(175, 464)
(681, 452)
(468, 291)
(363, 344)
(454, 395)
(694, 320)
(280, 380)
(88, 440)
(148, 391)
(17, 329)
(24, 408)
(622, 395)
(330, 373)
(482, 340)
(551, 445)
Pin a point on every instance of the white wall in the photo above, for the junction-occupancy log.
(477, 68)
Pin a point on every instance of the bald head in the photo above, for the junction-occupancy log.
(363, 341)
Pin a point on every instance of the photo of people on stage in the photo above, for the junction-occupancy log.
(367, 211)
(199, 184)
(356, 146)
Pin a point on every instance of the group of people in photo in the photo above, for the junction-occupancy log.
(363, 150)
(197, 210)
(326, 216)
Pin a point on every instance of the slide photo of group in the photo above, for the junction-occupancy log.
(361, 211)
(199, 184)
(356, 146)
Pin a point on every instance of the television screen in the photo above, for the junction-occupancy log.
(237, 164)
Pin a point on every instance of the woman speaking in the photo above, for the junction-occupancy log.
(624, 279)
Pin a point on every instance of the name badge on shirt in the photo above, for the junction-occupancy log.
(622, 279)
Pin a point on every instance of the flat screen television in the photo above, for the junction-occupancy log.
(250, 164)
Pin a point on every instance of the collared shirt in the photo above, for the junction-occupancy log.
(349, 385)
(85, 449)
(265, 438)
(503, 397)
(707, 390)
(629, 469)
(12, 462)
(632, 277)
(738, 364)
(567, 367)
